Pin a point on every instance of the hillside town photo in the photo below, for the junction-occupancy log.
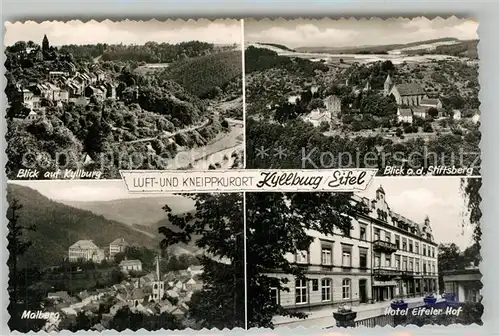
(123, 95)
(85, 255)
(350, 259)
(357, 88)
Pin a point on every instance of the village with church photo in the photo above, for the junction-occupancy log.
(362, 88)
(330, 260)
(86, 255)
(124, 95)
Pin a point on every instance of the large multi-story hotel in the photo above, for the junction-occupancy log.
(85, 250)
(383, 257)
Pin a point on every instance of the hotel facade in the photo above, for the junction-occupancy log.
(384, 256)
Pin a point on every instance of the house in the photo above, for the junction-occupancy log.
(405, 115)
(172, 293)
(293, 99)
(94, 91)
(85, 250)
(475, 118)
(465, 284)
(432, 102)
(333, 104)
(57, 74)
(409, 94)
(419, 112)
(130, 265)
(31, 117)
(457, 114)
(136, 297)
(111, 90)
(195, 270)
(61, 296)
(318, 116)
(116, 307)
(81, 101)
(117, 246)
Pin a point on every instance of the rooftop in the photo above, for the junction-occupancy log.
(84, 245)
(410, 89)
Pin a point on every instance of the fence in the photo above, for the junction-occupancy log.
(377, 321)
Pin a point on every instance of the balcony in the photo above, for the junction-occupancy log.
(408, 274)
(384, 246)
(385, 273)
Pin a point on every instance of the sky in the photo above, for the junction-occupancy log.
(353, 32)
(439, 198)
(86, 191)
(126, 32)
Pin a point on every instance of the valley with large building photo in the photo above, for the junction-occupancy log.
(96, 258)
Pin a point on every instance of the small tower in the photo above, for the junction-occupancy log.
(387, 85)
(158, 285)
(380, 193)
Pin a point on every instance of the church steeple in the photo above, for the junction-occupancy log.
(158, 284)
(387, 85)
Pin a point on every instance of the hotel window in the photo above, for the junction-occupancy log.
(376, 234)
(315, 286)
(377, 259)
(405, 264)
(300, 291)
(397, 242)
(347, 231)
(346, 256)
(425, 267)
(363, 259)
(346, 289)
(387, 236)
(326, 256)
(417, 250)
(405, 243)
(433, 269)
(417, 266)
(424, 250)
(301, 257)
(398, 262)
(388, 260)
(362, 232)
(274, 295)
(411, 266)
(326, 289)
(410, 243)
(432, 249)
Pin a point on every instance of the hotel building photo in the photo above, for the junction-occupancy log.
(384, 256)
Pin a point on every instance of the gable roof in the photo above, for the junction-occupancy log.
(84, 245)
(429, 101)
(410, 89)
(405, 112)
(118, 241)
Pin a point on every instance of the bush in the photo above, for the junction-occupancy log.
(428, 128)
(398, 132)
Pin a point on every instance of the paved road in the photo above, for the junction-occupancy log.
(168, 134)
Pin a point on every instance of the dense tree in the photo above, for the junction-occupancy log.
(21, 295)
(45, 44)
(216, 227)
(277, 224)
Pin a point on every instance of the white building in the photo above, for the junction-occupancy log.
(465, 284)
(384, 256)
(130, 265)
(85, 250)
(117, 246)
